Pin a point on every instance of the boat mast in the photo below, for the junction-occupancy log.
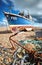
(29, 16)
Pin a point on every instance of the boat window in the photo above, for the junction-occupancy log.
(7, 16)
(13, 18)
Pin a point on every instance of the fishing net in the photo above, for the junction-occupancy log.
(21, 55)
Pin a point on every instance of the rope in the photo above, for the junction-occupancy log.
(16, 42)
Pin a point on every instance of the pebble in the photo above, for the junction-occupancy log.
(6, 56)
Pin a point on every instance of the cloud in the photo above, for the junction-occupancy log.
(39, 5)
(5, 1)
(21, 4)
(41, 17)
(39, 13)
(35, 6)
(38, 25)
(35, 19)
(4, 22)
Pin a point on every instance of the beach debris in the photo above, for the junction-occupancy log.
(6, 56)
(26, 52)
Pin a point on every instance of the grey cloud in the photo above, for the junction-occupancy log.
(35, 6)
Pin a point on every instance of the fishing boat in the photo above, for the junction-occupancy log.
(20, 21)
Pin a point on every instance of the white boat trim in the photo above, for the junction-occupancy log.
(17, 16)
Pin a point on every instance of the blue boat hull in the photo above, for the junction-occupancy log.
(14, 19)
(18, 21)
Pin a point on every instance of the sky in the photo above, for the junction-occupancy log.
(34, 7)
